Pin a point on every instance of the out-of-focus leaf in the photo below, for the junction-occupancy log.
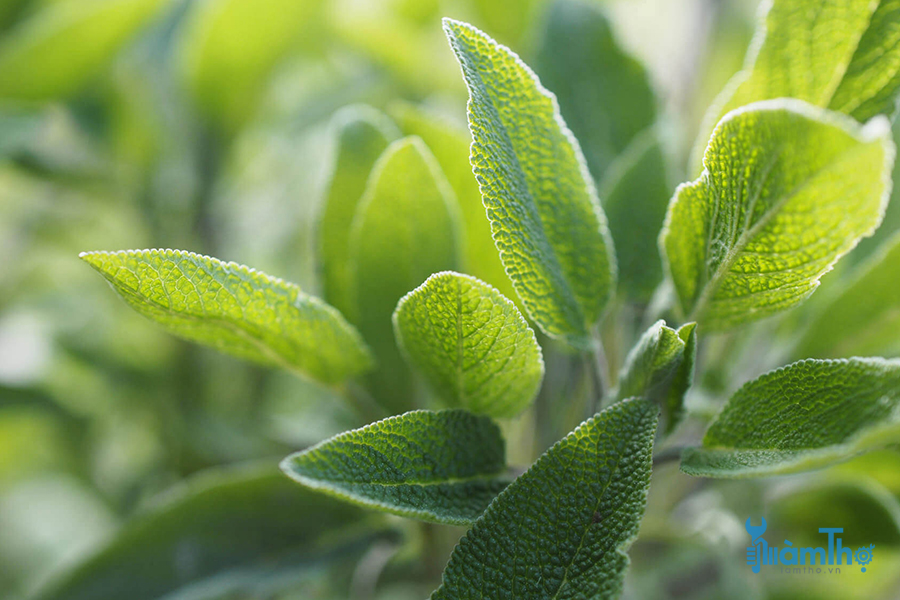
(545, 216)
(229, 48)
(362, 136)
(443, 467)
(237, 310)
(472, 345)
(509, 20)
(800, 417)
(55, 53)
(224, 528)
(450, 146)
(405, 229)
(660, 368)
(561, 530)
(864, 318)
(786, 191)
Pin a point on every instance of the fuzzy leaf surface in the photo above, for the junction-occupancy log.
(443, 467)
(237, 310)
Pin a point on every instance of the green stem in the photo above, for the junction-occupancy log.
(598, 370)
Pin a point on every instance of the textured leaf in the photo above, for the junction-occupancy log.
(561, 529)
(443, 467)
(604, 94)
(787, 189)
(363, 134)
(37, 61)
(472, 345)
(864, 319)
(405, 229)
(228, 527)
(841, 54)
(450, 146)
(660, 368)
(806, 415)
(237, 310)
(545, 216)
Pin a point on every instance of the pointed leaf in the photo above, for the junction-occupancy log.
(405, 229)
(545, 216)
(787, 189)
(362, 134)
(472, 345)
(864, 319)
(561, 529)
(225, 528)
(806, 415)
(443, 467)
(237, 310)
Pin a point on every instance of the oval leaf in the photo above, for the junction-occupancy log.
(803, 416)
(237, 310)
(561, 529)
(472, 345)
(443, 467)
(545, 217)
(787, 189)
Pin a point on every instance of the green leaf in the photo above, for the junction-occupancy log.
(472, 345)
(800, 417)
(545, 216)
(864, 318)
(362, 134)
(226, 528)
(450, 146)
(561, 529)
(786, 191)
(443, 467)
(405, 229)
(237, 310)
(604, 94)
(660, 368)
(37, 61)
(842, 54)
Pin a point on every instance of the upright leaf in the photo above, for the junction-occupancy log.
(806, 415)
(405, 229)
(864, 318)
(841, 54)
(443, 467)
(787, 189)
(472, 345)
(228, 529)
(545, 216)
(362, 136)
(660, 368)
(237, 310)
(561, 529)
(38, 60)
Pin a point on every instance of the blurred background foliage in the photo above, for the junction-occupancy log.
(209, 125)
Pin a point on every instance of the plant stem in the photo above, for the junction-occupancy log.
(597, 369)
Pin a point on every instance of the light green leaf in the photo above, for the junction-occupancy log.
(604, 94)
(226, 528)
(450, 146)
(472, 345)
(237, 310)
(37, 60)
(443, 467)
(405, 229)
(800, 417)
(660, 368)
(362, 136)
(786, 191)
(545, 216)
(864, 318)
(841, 54)
(561, 529)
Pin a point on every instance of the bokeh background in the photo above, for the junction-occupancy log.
(205, 125)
